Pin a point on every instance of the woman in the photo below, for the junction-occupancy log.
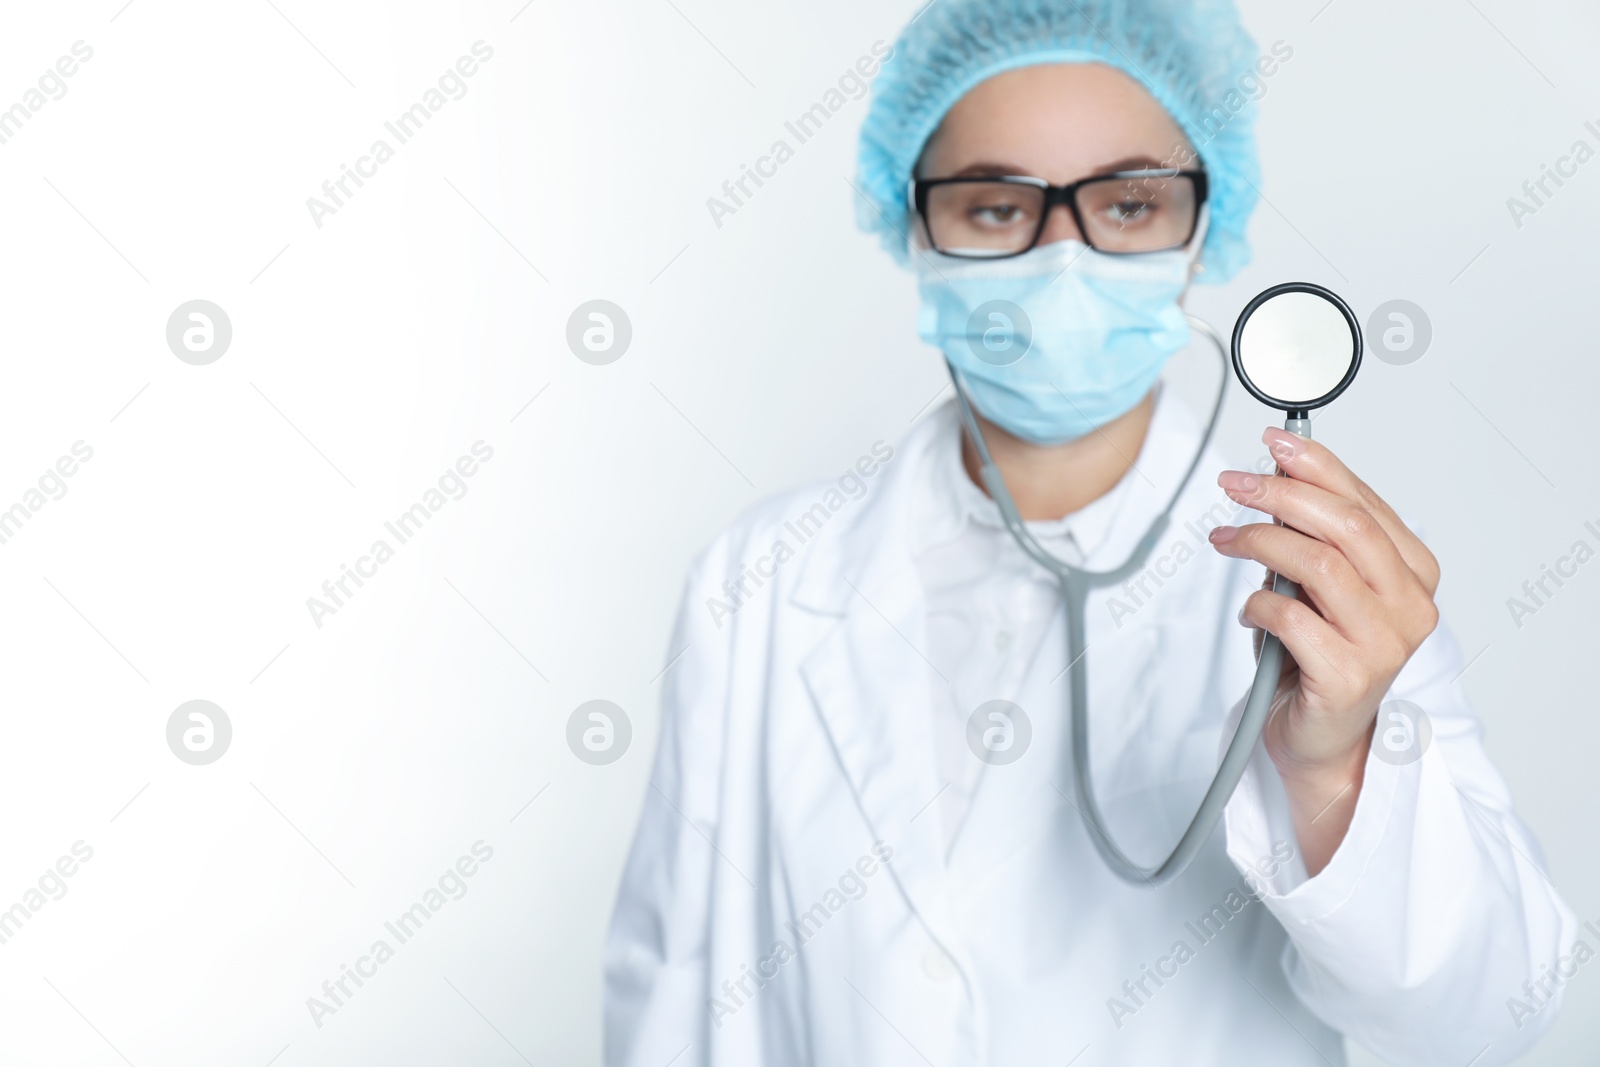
(860, 846)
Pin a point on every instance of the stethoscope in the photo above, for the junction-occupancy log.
(1288, 340)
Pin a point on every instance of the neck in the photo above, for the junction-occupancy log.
(1052, 481)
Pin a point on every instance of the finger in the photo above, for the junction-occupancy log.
(1316, 646)
(1326, 576)
(1312, 462)
(1329, 517)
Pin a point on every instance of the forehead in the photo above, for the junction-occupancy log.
(1058, 121)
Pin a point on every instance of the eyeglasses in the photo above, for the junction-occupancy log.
(1127, 212)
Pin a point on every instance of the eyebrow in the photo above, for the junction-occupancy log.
(1002, 170)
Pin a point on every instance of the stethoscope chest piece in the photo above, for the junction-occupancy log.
(1296, 347)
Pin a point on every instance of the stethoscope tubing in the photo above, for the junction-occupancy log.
(1076, 584)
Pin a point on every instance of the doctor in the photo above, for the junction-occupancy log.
(859, 842)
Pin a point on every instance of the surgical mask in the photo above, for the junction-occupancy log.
(1059, 340)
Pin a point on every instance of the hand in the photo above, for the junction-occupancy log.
(1367, 586)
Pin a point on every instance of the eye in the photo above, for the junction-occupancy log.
(1128, 211)
(996, 214)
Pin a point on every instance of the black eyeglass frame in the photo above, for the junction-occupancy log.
(1066, 195)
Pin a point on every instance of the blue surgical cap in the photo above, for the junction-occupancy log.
(1193, 56)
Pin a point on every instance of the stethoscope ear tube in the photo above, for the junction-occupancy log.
(1075, 586)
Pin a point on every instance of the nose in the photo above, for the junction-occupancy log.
(1059, 225)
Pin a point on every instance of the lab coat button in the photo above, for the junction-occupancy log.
(1002, 640)
(937, 965)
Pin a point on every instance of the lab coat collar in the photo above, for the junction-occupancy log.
(875, 535)
(901, 517)
(950, 500)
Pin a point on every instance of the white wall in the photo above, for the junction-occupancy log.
(371, 752)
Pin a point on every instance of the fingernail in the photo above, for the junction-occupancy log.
(1239, 482)
(1282, 444)
(1242, 620)
(1223, 534)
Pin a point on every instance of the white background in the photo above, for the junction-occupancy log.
(370, 353)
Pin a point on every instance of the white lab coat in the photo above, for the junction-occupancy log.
(788, 900)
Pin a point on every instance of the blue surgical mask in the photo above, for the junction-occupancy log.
(1060, 340)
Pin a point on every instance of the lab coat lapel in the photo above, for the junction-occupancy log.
(870, 682)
